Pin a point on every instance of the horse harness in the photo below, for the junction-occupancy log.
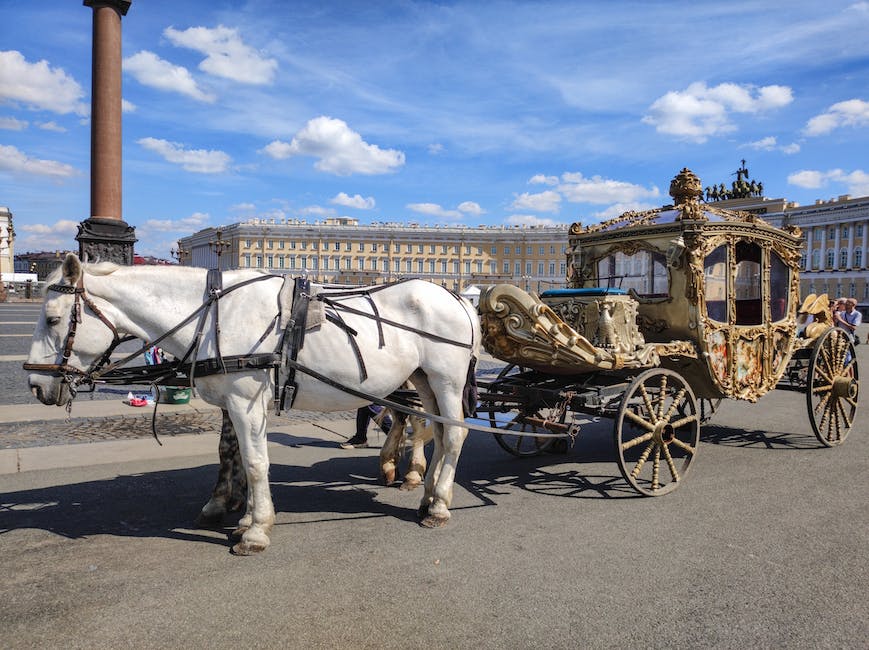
(282, 361)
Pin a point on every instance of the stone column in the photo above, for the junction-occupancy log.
(105, 235)
(864, 253)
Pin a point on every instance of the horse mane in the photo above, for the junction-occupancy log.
(100, 268)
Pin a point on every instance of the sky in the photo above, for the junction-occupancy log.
(458, 113)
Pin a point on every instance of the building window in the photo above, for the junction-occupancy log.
(506, 250)
(803, 261)
(271, 243)
(292, 262)
(552, 268)
(517, 268)
(527, 268)
(348, 246)
(247, 259)
(281, 243)
(270, 261)
(361, 247)
(443, 249)
(858, 258)
(293, 245)
(479, 265)
(431, 248)
(419, 267)
(443, 266)
(468, 266)
(360, 263)
(455, 267)
(542, 250)
(372, 263)
(844, 232)
(431, 265)
(419, 248)
(843, 258)
(280, 261)
(831, 234)
(831, 259)
(858, 230)
(493, 250)
(816, 258)
(247, 242)
(562, 269)
(259, 261)
(539, 268)
(529, 250)
(408, 266)
(552, 250)
(852, 290)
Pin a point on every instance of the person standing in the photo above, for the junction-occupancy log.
(849, 319)
(363, 418)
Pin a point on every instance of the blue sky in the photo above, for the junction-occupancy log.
(430, 112)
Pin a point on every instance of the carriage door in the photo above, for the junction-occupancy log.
(749, 326)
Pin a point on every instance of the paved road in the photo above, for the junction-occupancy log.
(765, 546)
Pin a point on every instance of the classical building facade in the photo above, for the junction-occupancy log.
(342, 251)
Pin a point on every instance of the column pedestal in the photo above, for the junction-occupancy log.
(106, 240)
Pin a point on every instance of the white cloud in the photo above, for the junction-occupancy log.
(472, 208)
(436, 210)
(318, 210)
(699, 112)
(856, 182)
(548, 201)
(195, 221)
(436, 149)
(540, 179)
(226, 54)
(11, 124)
(62, 227)
(51, 126)
(15, 161)
(529, 220)
(150, 70)
(39, 86)
(127, 106)
(243, 207)
(355, 201)
(578, 189)
(200, 161)
(340, 150)
(853, 112)
(769, 143)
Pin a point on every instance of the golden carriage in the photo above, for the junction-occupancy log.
(666, 312)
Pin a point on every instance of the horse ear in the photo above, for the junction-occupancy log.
(71, 269)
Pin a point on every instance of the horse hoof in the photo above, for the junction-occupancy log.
(409, 485)
(432, 521)
(248, 548)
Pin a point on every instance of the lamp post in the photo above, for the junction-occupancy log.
(180, 253)
(526, 279)
(8, 238)
(219, 244)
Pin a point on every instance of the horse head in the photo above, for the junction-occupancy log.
(71, 335)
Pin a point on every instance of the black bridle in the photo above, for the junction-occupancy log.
(72, 375)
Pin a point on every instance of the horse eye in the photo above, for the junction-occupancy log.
(52, 320)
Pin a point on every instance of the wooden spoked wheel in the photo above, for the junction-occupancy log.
(832, 387)
(657, 431)
(521, 440)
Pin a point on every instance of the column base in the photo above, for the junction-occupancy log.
(106, 240)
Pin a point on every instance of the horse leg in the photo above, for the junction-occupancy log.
(421, 435)
(448, 445)
(249, 418)
(230, 490)
(392, 449)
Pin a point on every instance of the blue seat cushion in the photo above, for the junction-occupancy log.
(584, 292)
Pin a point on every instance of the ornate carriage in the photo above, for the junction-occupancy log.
(666, 312)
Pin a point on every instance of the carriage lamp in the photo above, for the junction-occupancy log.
(675, 251)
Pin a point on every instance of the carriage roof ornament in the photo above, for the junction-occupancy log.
(687, 190)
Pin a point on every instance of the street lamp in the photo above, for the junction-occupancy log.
(8, 238)
(218, 244)
(527, 280)
(180, 253)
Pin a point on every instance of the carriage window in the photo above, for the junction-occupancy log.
(748, 278)
(645, 272)
(715, 281)
(779, 285)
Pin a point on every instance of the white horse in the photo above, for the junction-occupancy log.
(411, 330)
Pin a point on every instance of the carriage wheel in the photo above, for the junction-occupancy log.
(521, 445)
(657, 431)
(832, 387)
